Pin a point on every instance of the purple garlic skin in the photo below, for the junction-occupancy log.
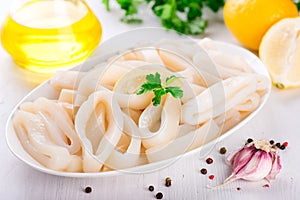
(255, 161)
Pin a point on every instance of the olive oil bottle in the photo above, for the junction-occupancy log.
(45, 35)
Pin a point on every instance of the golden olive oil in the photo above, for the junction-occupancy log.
(44, 35)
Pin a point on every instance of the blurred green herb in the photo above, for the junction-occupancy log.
(154, 84)
(297, 2)
(184, 16)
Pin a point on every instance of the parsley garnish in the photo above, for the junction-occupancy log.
(154, 84)
(184, 16)
(297, 2)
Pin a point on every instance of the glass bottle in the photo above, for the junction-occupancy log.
(44, 35)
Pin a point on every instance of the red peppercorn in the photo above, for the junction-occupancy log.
(211, 177)
(266, 185)
(285, 144)
(209, 160)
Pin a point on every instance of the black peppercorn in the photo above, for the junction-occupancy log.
(249, 140)
(278, 144)
(209, 160)
(159, 195)
(282, 147)
(271, 142)
(203, 171)
(223, 150)
(88, 189)
(151, 188)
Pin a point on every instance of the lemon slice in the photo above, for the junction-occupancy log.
(280, 52)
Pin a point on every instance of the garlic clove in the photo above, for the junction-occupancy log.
(257, 168)
(242, 158)
(276, 166)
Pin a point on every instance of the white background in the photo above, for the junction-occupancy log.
(278, 120)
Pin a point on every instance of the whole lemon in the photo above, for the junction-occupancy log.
(248, 20)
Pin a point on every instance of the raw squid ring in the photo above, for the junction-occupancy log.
(93, 160)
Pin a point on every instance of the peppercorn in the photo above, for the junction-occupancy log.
(271, 142)
(159, 195)
(203, 171)
(249, 140)
(151, 188)
(282, 147)
(285, 144)
(266, 185)
(223, 150)
(209, 160)
(278, 144)
(211, 177)
(238, 188)
(168, 182)
(88, 189)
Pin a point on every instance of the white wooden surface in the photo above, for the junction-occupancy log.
(278, 120)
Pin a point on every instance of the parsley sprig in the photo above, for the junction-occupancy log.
(297, 3)
(154, 84)
(184, 16)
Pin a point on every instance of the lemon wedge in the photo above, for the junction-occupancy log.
(280, 52)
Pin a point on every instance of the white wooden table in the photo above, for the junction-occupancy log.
(278, 120)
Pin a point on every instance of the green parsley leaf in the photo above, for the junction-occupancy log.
(106, 3)
(146, 87)
(158, 94)
(154, 84)
(214, 5)
(153, 78)
(130, 20)
(130, 6)
(176, 92)
(170, 79)
(141, 90)
(183, 16)
(297, 3)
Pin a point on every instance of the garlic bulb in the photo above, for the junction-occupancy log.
(255, 161)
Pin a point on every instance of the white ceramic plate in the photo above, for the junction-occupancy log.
(105, 50)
